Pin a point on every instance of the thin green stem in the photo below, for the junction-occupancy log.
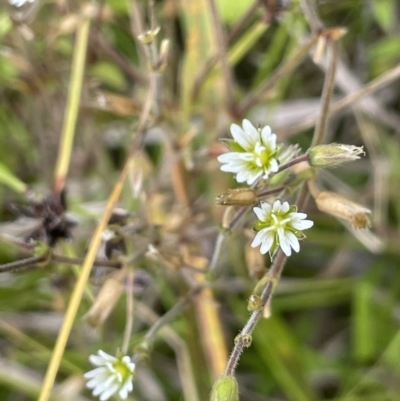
(129, 312)
(73, 101)
(242, 340)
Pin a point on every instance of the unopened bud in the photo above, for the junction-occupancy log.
(333, 154)
(237, 197)
(163, 55)
(105, 301)
(267, 309)
(225, 389)
(345, 209)
(148, 36)
(254, 303)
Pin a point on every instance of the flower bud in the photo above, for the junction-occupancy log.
(148, 36)
(225, 389)
(333, 154)
(163, 55)
(237, 197)
(343, 208)
(254, 303)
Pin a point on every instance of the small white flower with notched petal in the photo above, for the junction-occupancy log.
(254, 153)
(113, 375)
(279, 225)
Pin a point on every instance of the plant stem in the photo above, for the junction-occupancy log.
(73, 101)
(242, 340)
(23, 263)
(291, 163)
(284, 69)
(129, 312)
(327, 91)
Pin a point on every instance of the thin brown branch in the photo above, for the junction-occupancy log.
(118, 58)
(311, 15)
(327, 91)
(284, 69)
(348, 101)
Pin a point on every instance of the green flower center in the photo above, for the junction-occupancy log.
(123, 369)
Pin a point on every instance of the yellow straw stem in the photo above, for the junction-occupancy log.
(73, 101)
(78, 290)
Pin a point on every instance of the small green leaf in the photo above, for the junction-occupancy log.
(10, 180)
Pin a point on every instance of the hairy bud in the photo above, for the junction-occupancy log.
(333, 154)
(225, 389)
(237, 197)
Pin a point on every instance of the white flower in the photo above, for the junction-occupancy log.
(279, 225)
(254, 153)
(20, 3)
(111, 376)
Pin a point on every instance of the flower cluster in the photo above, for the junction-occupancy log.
(112, 375)
(255, 155)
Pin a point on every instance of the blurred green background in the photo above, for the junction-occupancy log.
(334, 331)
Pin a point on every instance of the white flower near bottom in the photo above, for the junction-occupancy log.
(279, 225)
(113, 375)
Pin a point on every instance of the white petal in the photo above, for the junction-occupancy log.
(293, 241)
(260, 213)
(246, 156)
(274, 165)
(99, 389)
(284, 243)
(272, 142)
(242, 176)
(240, 137)
(268, 242)
(95, 372)
(297, 216)
(258, 239)
(228, 157)
(231, 168)
(302, 224)
(123, 393)
(285, 207)
(93, 383)
(266, 207)
(251, 131)
(276, 207)
(101, 359)
(265, 134)
(253, 177)
(109, 392)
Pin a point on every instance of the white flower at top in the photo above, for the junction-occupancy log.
(20, 3)
(254, 153)
(279, 225)
(112, 375)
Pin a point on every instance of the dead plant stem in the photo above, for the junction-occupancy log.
(327, 91)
